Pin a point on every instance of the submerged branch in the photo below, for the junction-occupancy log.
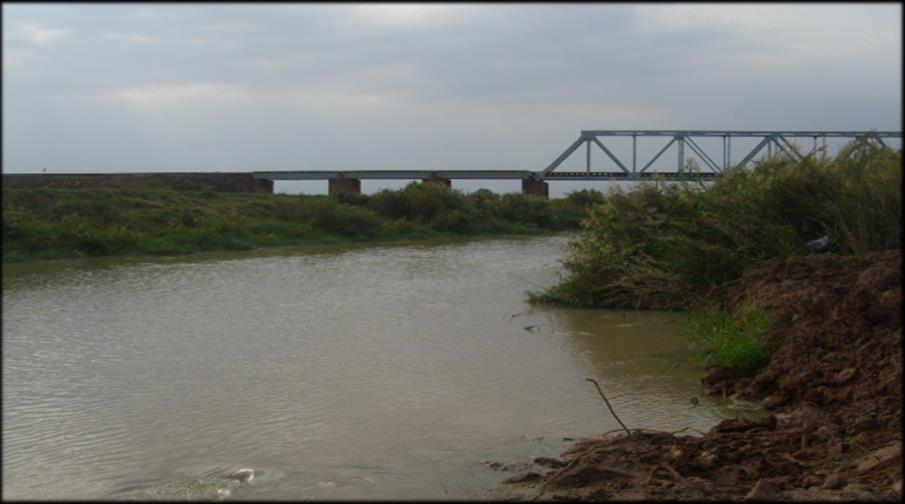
(608, 405)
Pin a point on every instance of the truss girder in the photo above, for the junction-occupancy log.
(654, 159)
(780, 139)
(792, 149)
(703, 155)
(611, 155)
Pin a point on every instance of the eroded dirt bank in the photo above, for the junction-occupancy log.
(833, 388)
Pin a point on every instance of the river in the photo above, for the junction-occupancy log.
(379, 372)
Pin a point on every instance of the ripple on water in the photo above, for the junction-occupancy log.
(386, 371)
(225, 485)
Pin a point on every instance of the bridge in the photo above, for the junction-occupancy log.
(622, 168)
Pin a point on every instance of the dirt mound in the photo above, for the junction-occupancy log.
(833, 384)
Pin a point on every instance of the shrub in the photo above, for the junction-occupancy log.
(733, 340)
(527, 209)
(55, 223)
(389, 203)
(454, 221)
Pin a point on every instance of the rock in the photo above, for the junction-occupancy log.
(764, 490)
(719, 379)
(549, 462)
(814, 495)
(857, 491)
(742, 425)
(707, 459)
(845, 376)
(812, 480)
(599, 494)
(774, 401)
(820, 245)
(823, 433)
(832, 482)
(705, 486)
(242, 475)
(529, 476)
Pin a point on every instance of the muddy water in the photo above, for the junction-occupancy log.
(337, 373)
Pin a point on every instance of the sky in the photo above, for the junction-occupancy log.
(132, 87)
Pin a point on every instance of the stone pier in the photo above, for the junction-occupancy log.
(535, 187)
(343, 185)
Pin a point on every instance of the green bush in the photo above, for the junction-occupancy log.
(733, 340)
(331, 216)
(527, 209)
(454, 221)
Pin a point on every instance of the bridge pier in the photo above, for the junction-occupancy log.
(535, 187)
(343, 185)
(437, 179)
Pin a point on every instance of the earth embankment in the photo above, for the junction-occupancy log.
(832, 388)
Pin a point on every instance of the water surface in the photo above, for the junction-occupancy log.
(328, 373)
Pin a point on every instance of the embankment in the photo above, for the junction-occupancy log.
(197, 181)
(67, 223)
(831, 379)
(833, 388)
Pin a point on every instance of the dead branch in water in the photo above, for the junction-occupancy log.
(608, 405)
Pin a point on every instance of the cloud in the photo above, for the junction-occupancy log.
(332, 98)
(314, 97)
(408, 15)
(229, 28)
(129, 39)
(180, 92)
(37, 34)
(787, 34)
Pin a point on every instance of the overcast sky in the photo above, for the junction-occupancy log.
(243, 87)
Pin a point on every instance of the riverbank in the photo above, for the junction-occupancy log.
(70, 223)
(832, 387)
(666, 246)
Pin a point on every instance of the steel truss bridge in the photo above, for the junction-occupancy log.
(786, 143)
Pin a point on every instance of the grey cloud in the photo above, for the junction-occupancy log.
(317, 86)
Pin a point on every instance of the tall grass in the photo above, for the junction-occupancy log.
(665, 245)
(60, 223)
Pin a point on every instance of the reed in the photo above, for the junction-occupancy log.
(665, 245)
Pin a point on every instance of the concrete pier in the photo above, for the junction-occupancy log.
(343, 185)
(535, 187)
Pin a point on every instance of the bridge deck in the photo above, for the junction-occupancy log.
(467, 174)
(394, 174)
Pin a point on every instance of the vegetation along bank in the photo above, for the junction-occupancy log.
(68, 223)
(813, 333)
